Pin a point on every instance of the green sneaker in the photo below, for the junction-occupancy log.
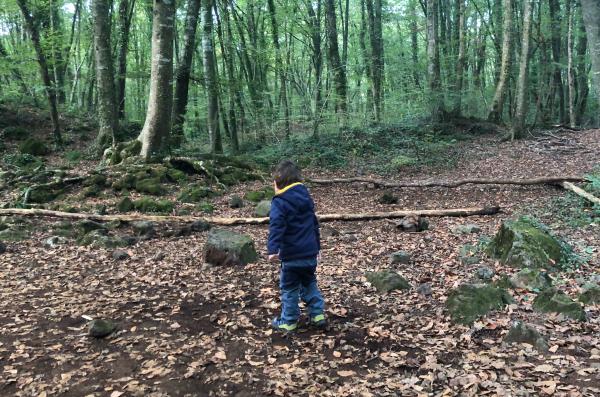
(279, 325)
(318, 321)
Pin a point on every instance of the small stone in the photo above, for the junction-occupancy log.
(386, 281)
(200, 226)
(465, 229)
(328, 231)
(54, 241)
(524, 333)
(485, 273)
(159, 256)
(424, 289)
(413, 223)
(144, 229)
(225, 248)
(87, 226)
(263, 209)
(531, 279)
(387, 198)
(120, 255)
(400, 257)
(236, 202)
(101, 328)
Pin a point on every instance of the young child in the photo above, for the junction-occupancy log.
(294, 240)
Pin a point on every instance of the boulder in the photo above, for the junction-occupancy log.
(554, 301)
(224, 247)
(470, 301)
(465, 229)
(524, 333)
(195, 194)
(400, 257)
(150, 186)
(525, 243)
(590, 294)
(144, 229)
(531, 279)
(101, 328)
(236, 202)
(259, 195)
(43, 194)
(120, 255)
(87, 226)
(484, 273)
(200, 226)
(146, 204)
(386, 281)
(263, 209)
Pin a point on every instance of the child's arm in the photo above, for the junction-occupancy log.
(277, 226)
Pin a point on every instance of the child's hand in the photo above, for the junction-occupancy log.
(274, 258)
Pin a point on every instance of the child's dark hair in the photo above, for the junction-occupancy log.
(286, 173)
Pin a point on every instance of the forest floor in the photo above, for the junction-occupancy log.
(190, 329)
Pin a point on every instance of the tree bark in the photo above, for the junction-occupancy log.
(280, 67)
(460, 63)
(521, 106)
(436, 100)
(583, 88)
(107, 116)
(414, 44)
(570, 72)
(452, 212)
(49, 84)
(210, 78)
(375, 27)
(557, 86)
(314, 21)
(184, 69)
(591, 19)
(335, 64)
(157, 126)
(495, 114)
(125, 15)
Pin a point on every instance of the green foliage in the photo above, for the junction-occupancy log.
(195, 194)
(258, 195)
(34, 147)
(146, 204)
(15, 133)
(73, 156)
(21, 160)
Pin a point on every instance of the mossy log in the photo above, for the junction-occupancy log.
(580, 192)
(456, 212)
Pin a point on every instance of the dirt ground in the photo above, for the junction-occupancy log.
(190, 329)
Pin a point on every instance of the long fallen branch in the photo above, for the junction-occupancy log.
(248, 221)
(580, 192)
(476, 181)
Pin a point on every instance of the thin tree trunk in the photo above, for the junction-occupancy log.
(555, 27)
(366, 56)
(125, 15)
(104, 75)
(414, 43)
(591, 19)
(280, 67)
(346, 21)
(314, 19)
(433, 63)
(49, 84)
(184, 69)
(570, 76)
(521, 107)
(210, 78)
(157, 127)
(339, 75)
(583, 88)
(460, 7)
(497, 108)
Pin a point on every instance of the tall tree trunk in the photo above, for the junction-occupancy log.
(591, 19)
(374, 9)
(210, 78)
(570, 73)
(366, 57)
(555, 27)
(345, 32)
(280, 67)
(495, 113)
(157, 127)
(521, 107)
(414, 44)
(434, 85)
(49, 84)
(125, 15)
(460, 63)
(583, 88)
(104, 75)
(314, 21)
(184, 69)
(335, 64)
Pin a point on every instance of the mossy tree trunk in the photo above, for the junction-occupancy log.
(436, 101)
(521, 107)
(591, 19)
(495, 113)
(210, 77)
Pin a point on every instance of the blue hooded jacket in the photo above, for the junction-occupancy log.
(293, 226)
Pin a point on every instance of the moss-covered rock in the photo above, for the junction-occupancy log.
(470, 301)
(125, 205)
(176, 176)
(43, 194)
(525, 243)
(236, 202)
(26, 161)
(122, 151)
(590, 294)
(263, 209)
(101, 238)
(101, 328)
(35, 147)
(195, 194)
(386, 281)
(531, 279)
(149, 186)
(224, 247)
(14, 233)
(127, 181)
(467, 255)
(258, 195)
(146, 204)
(523, 333)
(86, 226)
(206, 207)
(554, 301)
(387, 198)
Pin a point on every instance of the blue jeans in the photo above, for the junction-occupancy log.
(298, 280)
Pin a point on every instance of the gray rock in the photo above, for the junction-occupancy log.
(590, 294)
(54, 241)
(120, 255)
(263, 208)
(413, 223)
(236, 202)
(328, 231)
(225, 247)
(485, 273)
(531, 279)
(400, 257)
(524, 333)
(424, 289)
(554, 301)
(87, 226)
(145, 229)
(465, 229)
(468, 255)
(470, 301)
(200, 226)
(386, 281)
(101, 328)
(101, 238)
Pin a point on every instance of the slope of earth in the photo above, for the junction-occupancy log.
(189, 329)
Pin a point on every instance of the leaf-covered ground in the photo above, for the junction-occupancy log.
(186, 328)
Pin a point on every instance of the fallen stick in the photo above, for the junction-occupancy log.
(248, 221)
(580, 192)
(451, 184)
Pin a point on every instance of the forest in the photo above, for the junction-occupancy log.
(451, 147)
